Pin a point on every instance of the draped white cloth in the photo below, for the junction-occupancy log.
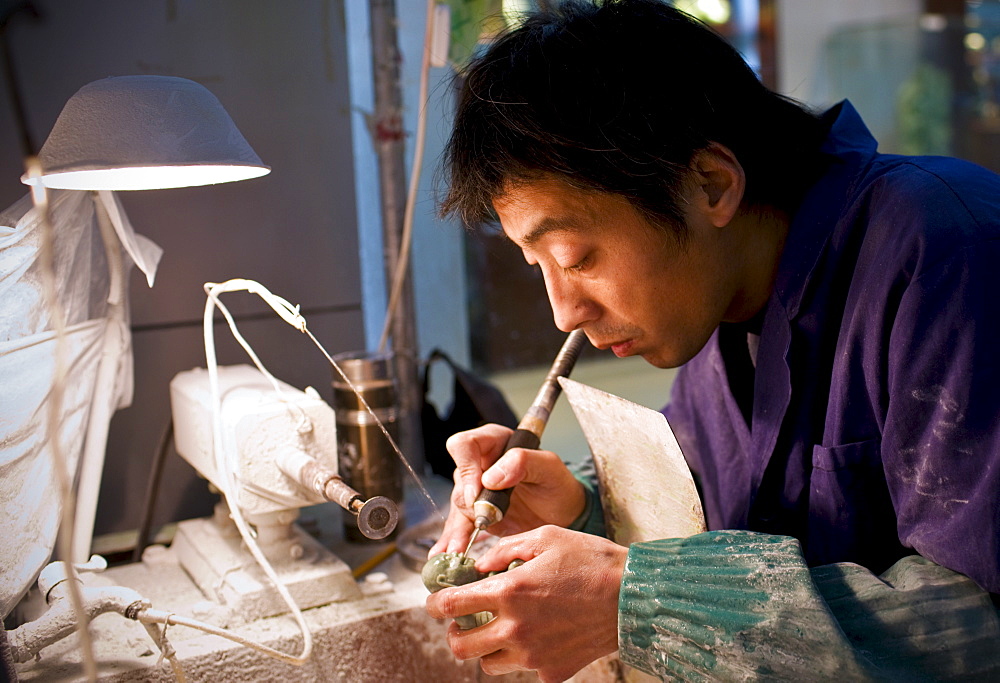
(91, 285)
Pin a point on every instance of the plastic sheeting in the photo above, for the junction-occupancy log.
(91, 283)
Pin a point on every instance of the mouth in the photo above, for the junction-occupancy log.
(623, 348)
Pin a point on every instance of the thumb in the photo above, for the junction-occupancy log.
(515, 466)
(524, 547)
(526, 465)
(496, 477)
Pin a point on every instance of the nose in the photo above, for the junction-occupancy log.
(571, 306)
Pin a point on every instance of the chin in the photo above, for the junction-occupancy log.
(665, 359)
(658, 362)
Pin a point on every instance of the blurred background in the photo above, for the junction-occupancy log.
(297, 78)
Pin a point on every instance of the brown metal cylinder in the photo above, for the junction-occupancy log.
(367, 461)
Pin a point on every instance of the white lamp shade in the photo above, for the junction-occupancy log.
(142, 133)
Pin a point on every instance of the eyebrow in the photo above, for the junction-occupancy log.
(547, 225)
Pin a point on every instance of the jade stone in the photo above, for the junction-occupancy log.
(451, 569)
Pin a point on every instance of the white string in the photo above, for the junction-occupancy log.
(288, 313)
(65, 537)
(293, 317)
(154, 616)
(224, 457)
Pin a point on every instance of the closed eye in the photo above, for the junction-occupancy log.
(582, 264)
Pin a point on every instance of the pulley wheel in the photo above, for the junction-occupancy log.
(378, 517)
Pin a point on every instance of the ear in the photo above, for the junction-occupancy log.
(720, 183)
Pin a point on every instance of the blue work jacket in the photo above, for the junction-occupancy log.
(875, 428)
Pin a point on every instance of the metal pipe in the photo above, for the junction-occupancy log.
(376, 517)
(389, 137)
(60, 620)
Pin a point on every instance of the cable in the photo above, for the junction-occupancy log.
(152, 491)
(166, 650)
(291, 314)
(39, 196)
(223, 456)
(147, 615)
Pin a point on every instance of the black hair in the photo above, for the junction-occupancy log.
(617, 96)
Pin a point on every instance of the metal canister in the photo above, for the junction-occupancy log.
(366, 458)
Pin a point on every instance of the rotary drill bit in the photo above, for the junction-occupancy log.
(490, 505)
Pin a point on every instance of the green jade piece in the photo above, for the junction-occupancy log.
(452, 569)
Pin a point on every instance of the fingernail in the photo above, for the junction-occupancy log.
(492, 477)
(470, 495)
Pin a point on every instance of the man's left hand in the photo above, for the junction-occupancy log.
(554, 614)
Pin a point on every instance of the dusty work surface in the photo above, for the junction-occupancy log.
(384, 635)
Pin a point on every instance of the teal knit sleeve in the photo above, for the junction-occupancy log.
(591, 520)
(737, 605)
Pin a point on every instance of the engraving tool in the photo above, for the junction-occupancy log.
(490, 505)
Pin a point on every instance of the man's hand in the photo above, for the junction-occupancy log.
(546, 491)
(554, 614)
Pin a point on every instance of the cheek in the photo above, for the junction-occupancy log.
(670, 301)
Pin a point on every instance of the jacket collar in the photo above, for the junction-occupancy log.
(849, 148)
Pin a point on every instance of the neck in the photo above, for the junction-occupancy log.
(761, 235)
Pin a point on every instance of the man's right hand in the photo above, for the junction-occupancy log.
(545, 491)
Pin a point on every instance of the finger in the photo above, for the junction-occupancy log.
(491, 644)
(501, 662)
(474, 451)
(510, 469)
(460, 493)
(525, 546)
(523, 465)
(449, 603)
(477, 642)
(454, 536)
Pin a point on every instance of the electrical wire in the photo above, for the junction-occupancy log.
(292, 315)
(166, 649)
(224, 457)
(152, 492)
(148, 615)
(66, 536)
(39, 195)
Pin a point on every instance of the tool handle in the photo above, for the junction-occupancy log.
(522, 438)
(491, 505)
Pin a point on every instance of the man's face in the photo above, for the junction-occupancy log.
(629, 286)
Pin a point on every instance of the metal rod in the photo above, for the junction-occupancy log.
(490, 505)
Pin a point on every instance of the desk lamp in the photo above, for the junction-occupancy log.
(118, 133)
(144, 133)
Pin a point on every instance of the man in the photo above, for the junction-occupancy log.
(838, 404)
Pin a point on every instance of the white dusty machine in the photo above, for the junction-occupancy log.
(276, 450)
(281, 449)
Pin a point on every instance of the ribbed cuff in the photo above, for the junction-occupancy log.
(728, 605)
